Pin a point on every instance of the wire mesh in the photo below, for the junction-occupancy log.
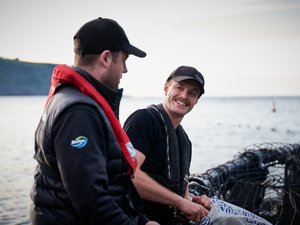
(263, 178)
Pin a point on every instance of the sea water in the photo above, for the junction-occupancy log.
(219, 128)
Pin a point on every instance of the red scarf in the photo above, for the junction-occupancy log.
(64, 74)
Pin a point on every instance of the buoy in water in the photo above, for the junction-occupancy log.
(274, 108)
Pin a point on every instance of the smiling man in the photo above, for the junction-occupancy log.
(164, 151)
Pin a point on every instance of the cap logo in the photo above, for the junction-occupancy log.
(198, 78)
(79, 142)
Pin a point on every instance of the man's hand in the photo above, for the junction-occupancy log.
(202, 200)
(192, 210)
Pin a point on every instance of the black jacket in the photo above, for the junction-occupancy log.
(168, 155)
(80, 177)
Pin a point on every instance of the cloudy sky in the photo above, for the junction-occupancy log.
(242, 47)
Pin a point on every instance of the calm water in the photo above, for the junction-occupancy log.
(218, 127)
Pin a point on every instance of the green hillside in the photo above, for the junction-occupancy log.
(24, 78)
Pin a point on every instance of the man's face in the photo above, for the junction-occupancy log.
(116, 69)
(181, 97)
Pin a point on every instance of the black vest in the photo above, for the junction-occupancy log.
(177, 152)
(48, 190)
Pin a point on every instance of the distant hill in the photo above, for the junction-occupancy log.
(24, 78)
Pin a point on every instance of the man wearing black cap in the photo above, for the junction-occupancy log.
(85, 160)
(164, 151)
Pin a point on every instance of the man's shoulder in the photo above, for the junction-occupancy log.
(69, 100)
(144, 115)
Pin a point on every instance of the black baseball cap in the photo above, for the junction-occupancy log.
(104, 34)
(188, 72)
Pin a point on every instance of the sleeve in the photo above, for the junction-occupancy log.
(139, 128)
(79, 136)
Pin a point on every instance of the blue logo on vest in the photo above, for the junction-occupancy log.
(79, 142)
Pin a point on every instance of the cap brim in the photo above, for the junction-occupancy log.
(181, 78)
(130, 49)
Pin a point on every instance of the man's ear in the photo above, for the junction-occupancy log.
(105, 58)
(166, 88)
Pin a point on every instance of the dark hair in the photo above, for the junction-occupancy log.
(88, 59)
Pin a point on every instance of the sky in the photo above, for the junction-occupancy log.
(242, 47)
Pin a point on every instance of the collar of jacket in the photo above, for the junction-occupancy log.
(113, 97)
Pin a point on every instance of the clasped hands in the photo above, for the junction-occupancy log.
(196, 208)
